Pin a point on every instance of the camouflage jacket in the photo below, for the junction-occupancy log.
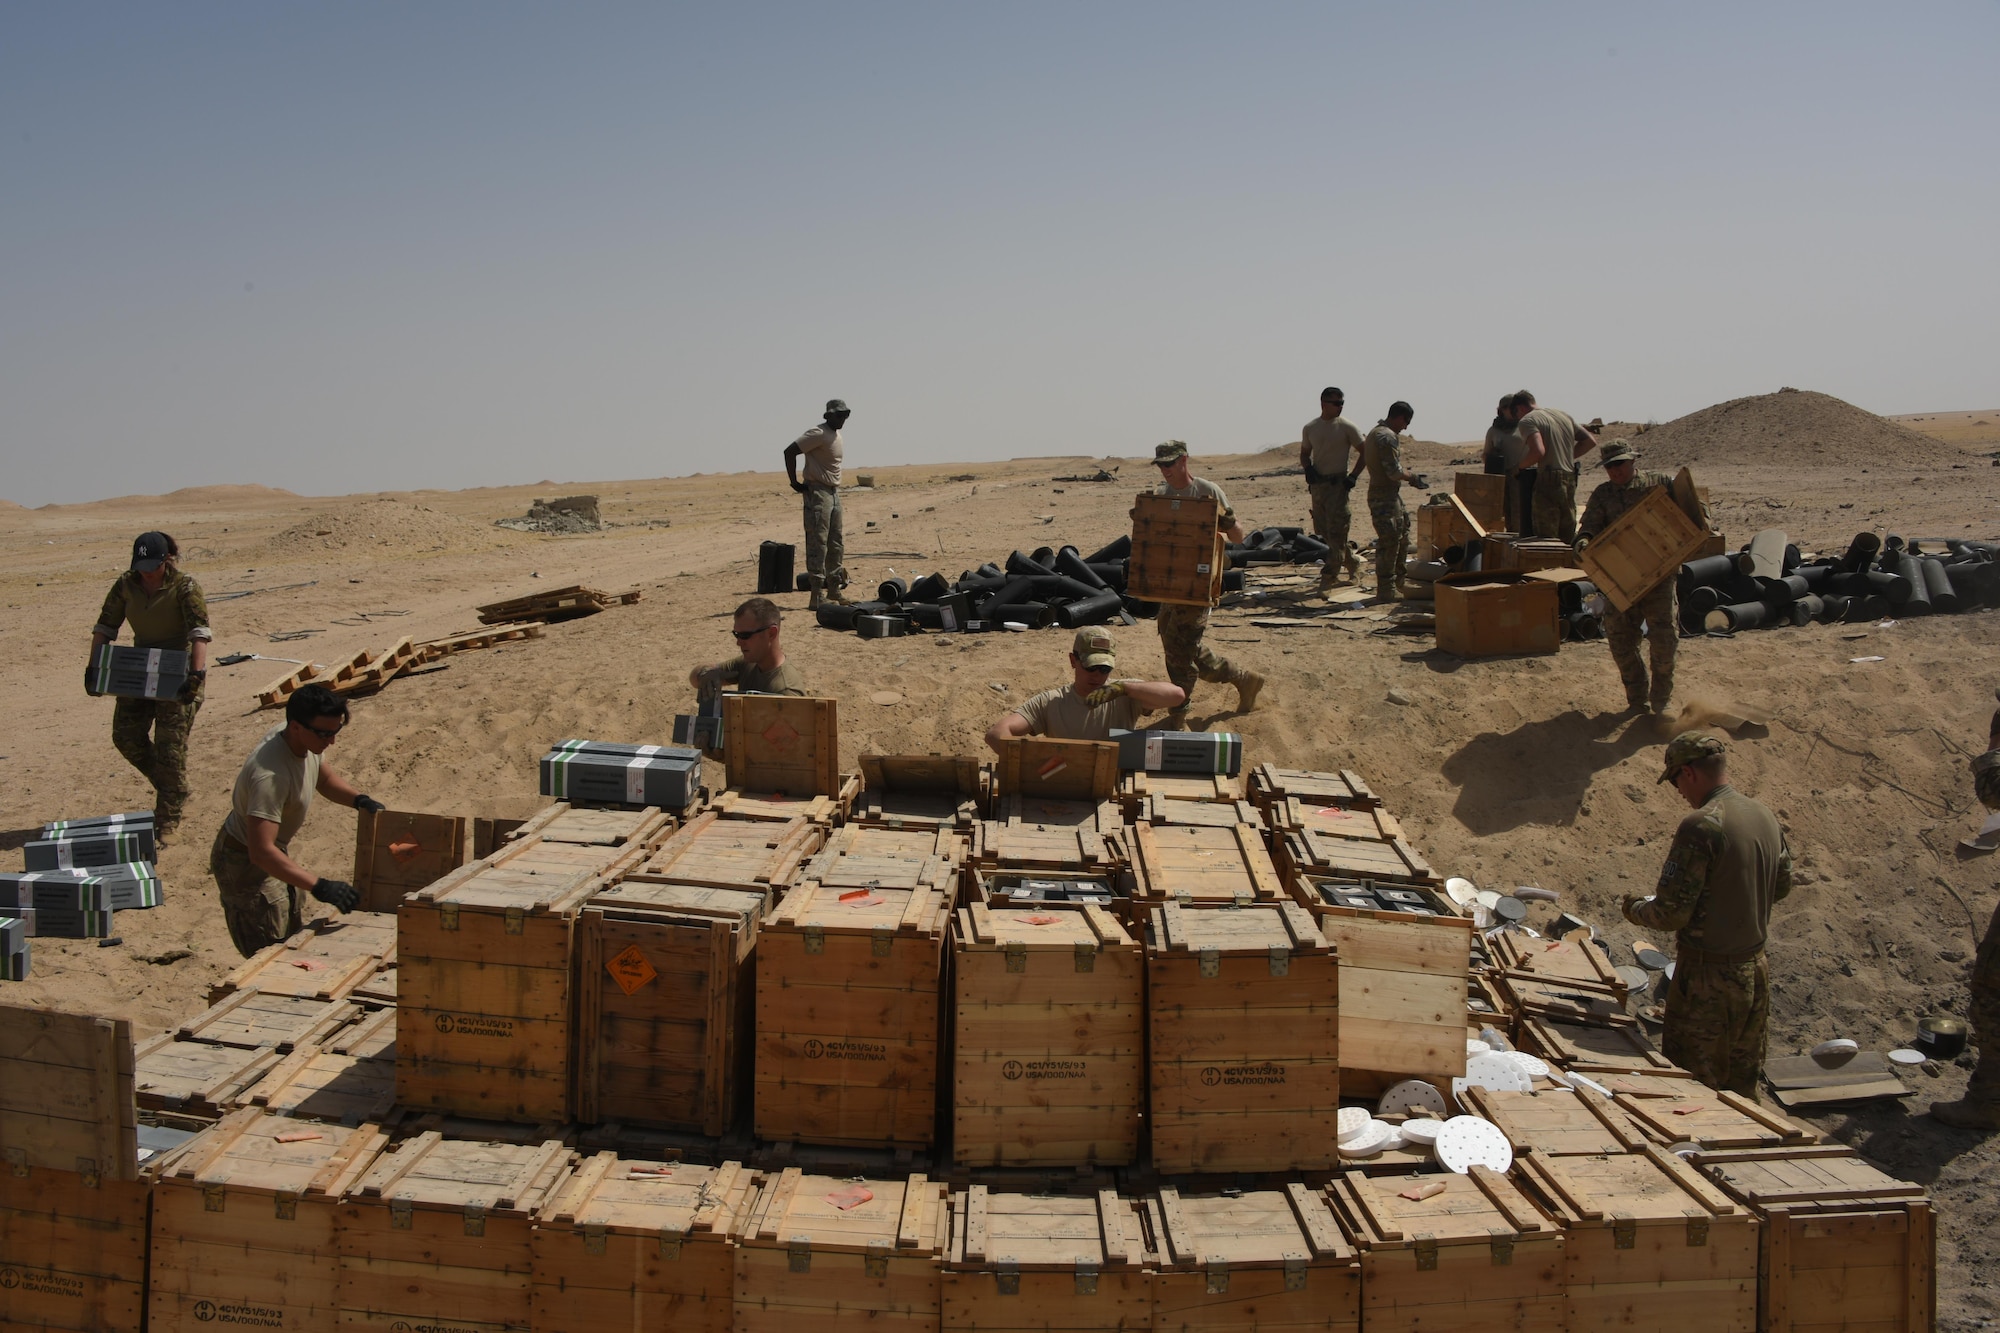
(1986, 779)
(168, 618)
(1728, 865)
(1610, 501)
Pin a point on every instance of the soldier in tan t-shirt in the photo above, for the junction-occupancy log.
(1554, 443)
(759, 666)
(1326, 444)
(826, 570)
(1092, 703)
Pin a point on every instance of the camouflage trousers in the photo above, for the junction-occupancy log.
(1392, 542)
(1555, 502)
(1659, 613)
(152, 734)
(1718, 1019)
(826, 553)
(1333, 523)
(1983, 1014)
(259, 910)
(1521, 503)
(1188, 658)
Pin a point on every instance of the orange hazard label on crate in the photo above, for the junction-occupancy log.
(631, 970)
(405, 852)
(781, 735)
(1053, 767)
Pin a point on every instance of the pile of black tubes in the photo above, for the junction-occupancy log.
(1876, 577)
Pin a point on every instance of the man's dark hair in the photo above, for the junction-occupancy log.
(310, 702)
(763, 609)
(1709, 767)
(1524, 399)
(1399, 408)
(1329, 394)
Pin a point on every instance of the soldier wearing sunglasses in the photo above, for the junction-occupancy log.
(759, 666)
(1092, 703)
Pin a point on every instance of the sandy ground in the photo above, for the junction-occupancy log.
(1511, 772)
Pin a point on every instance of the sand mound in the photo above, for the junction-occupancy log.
(387, 525)
(1795, 428)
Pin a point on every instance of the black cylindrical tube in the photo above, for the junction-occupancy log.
(989, 570)
(1232, 580)
(1743, 615)
(1111, 573)
(1943, 600)
(835, 615)
(1861, 552)
(1892, 551)
(1308, 549)
(1020, 565)
(1582, 625)
(1969, 581)
(1117, 549)
(1706, 572)
(1832, 610)
(1032, 614)
(1782, 592)
(927, 589)
(1089, 611)
(1815, 576)
(1703, 599)
(1141, 608)
(892, 590)
(1045, 556)
(1014, 590)
(1917, 602)
(1792, 557)
(1069, 563)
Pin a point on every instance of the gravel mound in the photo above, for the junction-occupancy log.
(387, 525)
(1791, 428)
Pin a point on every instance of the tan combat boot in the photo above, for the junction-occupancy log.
(1248, 685)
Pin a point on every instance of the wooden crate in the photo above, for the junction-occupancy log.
(1504, 551)
(326, 960)
(1270, 785)
(1056, 770)
(922, 791)
(1484, 495)
(1253, 1260)
(782, 743)
(195, 1078)
(1047, 1263)
(1842, 1244)
(397, 853)
(816, 1252)
(437, 1235)
(559, 821)
(1588, 1048)
(1188, 864)
(1303, 852)
(1402, 990)
(1167, 812)
(1032, 834)
(1137, 787)
(1178, 554)
(72, 1243)
(1576, 960)
(1049, 1034)
(251, 1019)
(1478, 1254)
(1648, 1244)
(665, 1005)
(1711, 1119)
(634, 1244)
(1640, 548)
(1442, 524)
(66, 1093)
(243, 1223)
(1556, 1122)
(732, 854)
(847, 1016)
(1360, 823)
(1243, 1020)
(1496, 615)
(856, 857)
(1534, 996)
(486, 1002)
(999, 889)
(313, 1083)
(777, 807)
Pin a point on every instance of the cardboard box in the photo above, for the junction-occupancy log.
(607, 773)
(120, 823)
(82, 851)
(138, 673)
(1180, 751)
(1497, 615)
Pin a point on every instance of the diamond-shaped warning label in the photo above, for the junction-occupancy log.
(630, 969)
(781, 735)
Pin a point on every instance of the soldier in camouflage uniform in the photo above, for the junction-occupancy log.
(166, 610)
(1980, 1107)
(1728, 865)
(1553, 443)
(1658, 610)
(1382, 457)
(826, 553)
(1181, 627)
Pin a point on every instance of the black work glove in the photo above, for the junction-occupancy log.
(799, 486)
(90, 678)
(191, 686)
(1347, 482)
(1313, 475)
(337, 893)
(1422, 482)
(368, 803)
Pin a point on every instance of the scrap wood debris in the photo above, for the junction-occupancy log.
(554, 605)
(368, 671)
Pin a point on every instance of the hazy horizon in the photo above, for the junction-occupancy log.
(339, 249)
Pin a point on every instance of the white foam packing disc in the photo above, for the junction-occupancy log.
(1412, 1094)
(1474, 1046)
(1903, 1055)
(1497, 1071)
(1350, 1120)
(1461, 891)
(1467, 1141)
(1422, 1133)
(1531, 1065)
(1373, 1139)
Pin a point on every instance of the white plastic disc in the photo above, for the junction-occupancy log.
(1421, 1133)
(1474, 1046)
(1372, 1140)
(1467, 1141)
(1487, 899)
(1497, 1071)
(1531, 1065)
(1838, 1046)
(1350, 1120)
(1903, 1055)
(1461, 891)
(1412, 1094)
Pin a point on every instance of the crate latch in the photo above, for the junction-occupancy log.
(1281, 960)
(517, 921)
(402, 1214)
(1239, 899)
(1017, 956)
(876, 1262)
(475, 1219)
(286, 1205)
(1211, 962)
(1218, 1276)
(801, 1252)
(1295, 1272)
(1086, 1276)
(17, 1162)
(1502, 1246)
(1624, 1231)
(447, 916)
(670, 1244)
(212, 1198)
(1007, 1275)
(880, 941)
(1086, 957)
(87, 1168)
(1182, 898)
(815, 939)
(1697, 1229)
(1426, 1246)
(593, 1238)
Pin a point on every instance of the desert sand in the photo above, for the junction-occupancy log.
(1517, 771)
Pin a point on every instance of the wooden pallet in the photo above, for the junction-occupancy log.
(554, 605)
(432, 650)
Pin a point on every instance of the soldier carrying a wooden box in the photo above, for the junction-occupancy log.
(1092, 704)
(1181, 627)
(166, 610)
(1658, 611)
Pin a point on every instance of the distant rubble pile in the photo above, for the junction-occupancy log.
(569, 514)
(1793, 427)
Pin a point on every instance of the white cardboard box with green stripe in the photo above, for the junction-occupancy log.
(138, 673)
(1179, 751)
(585, 772)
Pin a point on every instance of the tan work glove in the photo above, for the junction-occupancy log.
(1104, 694)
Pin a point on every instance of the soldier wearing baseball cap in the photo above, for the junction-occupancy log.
(826, 554)
(1729, 863)
(1181, 627)
(1092, 703)
(1656, 615)
(166, 610)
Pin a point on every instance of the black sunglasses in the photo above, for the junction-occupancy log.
(743, 635)
(1096, 670)
(323, 733)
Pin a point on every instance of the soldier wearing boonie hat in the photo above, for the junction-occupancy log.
(1092, 703)
(1729, 863)
(826, 554)
(1980, 1107)
(1655, 616)
(1181, 627)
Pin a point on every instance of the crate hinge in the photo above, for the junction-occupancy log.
(1017, 956)
(881, 941)
(285, 1204)
(876, 1261)
(517, 921)
(1295, 1272)
(1697, 1229)
(1281, 960)
(801, 1252)
(447, 916)
(1218, 1276)
(475, 1219)
(1211, 962)
(1007, 1274)
(593, 1238)
(402, 1214)
(1086, 957)
(1624, 1231)
(213, 1198)
(815, 939)
(670, 1244)
(1426, 1246)
(1502, 1246)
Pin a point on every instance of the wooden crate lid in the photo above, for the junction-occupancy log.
(1357, 858)
(776, 806)
(909, 1218)
(1652, 1185)
(449, 1175)
(321, 1085)
(1360, 822)
(1714, 1120)
(1037, 812)
(535, 875)
(1044, 1233)
(954, 774)
(377, 988)
(899, 858)
(1574, 959)
(1472, 1208)
(1617, 1047)
(1564, 1000)
(195, 1076)
(1055, 926)
(862, 911)
(1255, 929)
(66, 1093)
(1221, 863)
(371, 1035)
(633, 1196)
(781, 743)
(1268, 782)
(250, 1152)
(250, 1019)
(1249, 1229)
(747, 906)
(1163, 811)
(1058, 770)
(1210, 787)
(1823, 1176)
(562, 822)
(328, 958)
(1556, 1120)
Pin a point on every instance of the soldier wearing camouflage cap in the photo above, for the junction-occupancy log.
(1980, 1107)
(1092, 703)
(1182, 627)
(1729, 863)
(826, 554)
(1657, 613)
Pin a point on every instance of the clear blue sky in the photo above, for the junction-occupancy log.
(350, 247)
